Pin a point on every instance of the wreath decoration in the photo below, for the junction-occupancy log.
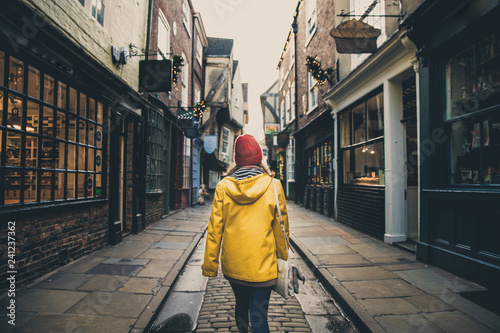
(177, 64)
(321, 75)
(199, 109)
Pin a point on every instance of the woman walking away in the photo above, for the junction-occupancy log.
(245, 222)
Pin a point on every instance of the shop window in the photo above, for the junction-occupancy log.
(155, 156)
(320, 164)
(362, 142)
(473, 89)
(2, 69)
(213, 179)
(49, 133)
(186, 176)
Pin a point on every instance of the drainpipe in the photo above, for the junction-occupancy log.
(148, 31)
(295, 30)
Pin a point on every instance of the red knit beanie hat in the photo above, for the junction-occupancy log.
(247, 150)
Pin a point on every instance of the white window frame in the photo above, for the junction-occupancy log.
(282, 114)
(224, 131)
(291, 52)
(312, 93)
(199, 52)
(197, 94)
(163, 32)
(186, 175)
(186, 16)
(213, 178)
(290, 158)
(287, 107)
(311, 20)
(185, 81)
(88, 8)
(292, 102)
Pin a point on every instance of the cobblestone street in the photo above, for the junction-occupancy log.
(217, 312)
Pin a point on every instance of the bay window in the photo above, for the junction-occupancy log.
(51, 138)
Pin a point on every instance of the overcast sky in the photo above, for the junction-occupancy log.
(259, 29)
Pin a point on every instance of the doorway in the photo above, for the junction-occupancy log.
(411, 192)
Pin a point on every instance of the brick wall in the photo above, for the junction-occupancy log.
(125, 23)
(154, 207)
(52, 237)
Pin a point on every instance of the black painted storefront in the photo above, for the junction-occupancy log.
(460, 188)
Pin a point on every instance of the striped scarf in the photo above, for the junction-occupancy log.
(243, 173)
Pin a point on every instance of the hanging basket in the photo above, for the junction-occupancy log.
(354, 36)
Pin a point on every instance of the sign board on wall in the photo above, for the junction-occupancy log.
(210, 143)
(272, 128)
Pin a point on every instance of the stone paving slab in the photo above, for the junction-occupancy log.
(384, 288)
(47, 300)
(58, 323)
(73, 300)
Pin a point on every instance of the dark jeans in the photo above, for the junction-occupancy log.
(255, 300)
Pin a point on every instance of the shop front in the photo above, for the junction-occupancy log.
(318, 165)
(374, 106)
(460, 126)
(71, 143)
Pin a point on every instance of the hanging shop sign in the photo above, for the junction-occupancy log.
(185, 118)
(272, 128)
(354, 36)
(191, 132)
(155, 76)
(210, 143)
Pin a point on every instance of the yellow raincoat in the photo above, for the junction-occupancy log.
(244, 220)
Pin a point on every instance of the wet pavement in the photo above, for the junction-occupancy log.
(123, 288)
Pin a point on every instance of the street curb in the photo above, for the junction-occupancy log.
(149, 315)
(363, 321)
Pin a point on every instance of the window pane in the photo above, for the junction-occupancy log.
(46, 187)
(34, 82)
(12, 186)
(14, 112)
(48, 121)
(13, 149)
(345, 129)
(91, 113)
(1, 147)
(61, 126)
(32, 117)
(100, 113)
(48, 89)
(71, 128)
(369, 165)
(359, 123)
(81, 158)
(460, 84)
(81, 185)
(16, 74)
(488, 85)
(72, 150)
(31, 151)
(98, 161)
(346, 159)
(47, 154)
(98, 185)
(71, 190)
(72, 100)
(2, 68)
(91, 162)
(30, 186)
(59, 186)
(89, 185)
(91, 134)
(464, 150)
(98, 137)
(83, 105)
(62, 94)
(82, 135)
(60, 155)
(375, 108)
(491, 139)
